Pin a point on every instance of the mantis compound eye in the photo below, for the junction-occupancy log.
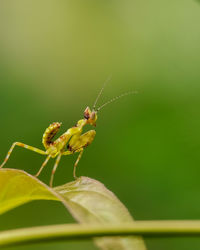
(87, 113)
(93, 118)
(93, 115)
(90, 116)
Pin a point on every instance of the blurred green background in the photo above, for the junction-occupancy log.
(54, 58)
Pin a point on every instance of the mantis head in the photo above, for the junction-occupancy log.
(90, 116)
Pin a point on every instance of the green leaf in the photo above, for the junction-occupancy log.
(17, 187)
(88, 200)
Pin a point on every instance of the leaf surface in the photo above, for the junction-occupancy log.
(88, 200)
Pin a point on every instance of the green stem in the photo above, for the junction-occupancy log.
(75, 231)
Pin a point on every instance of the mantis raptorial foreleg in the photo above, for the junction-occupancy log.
(77, 144)
(37, 150)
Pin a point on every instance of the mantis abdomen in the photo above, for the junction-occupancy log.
(49, 133)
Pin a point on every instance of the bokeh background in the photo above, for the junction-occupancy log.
(55, 56)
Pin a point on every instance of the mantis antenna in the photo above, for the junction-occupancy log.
(100, 92)
(116, 98)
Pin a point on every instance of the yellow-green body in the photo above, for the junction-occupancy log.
(72, 141)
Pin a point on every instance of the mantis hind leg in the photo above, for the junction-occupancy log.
(77, 144)
(43, 165)
(54, 170)
(37, 150)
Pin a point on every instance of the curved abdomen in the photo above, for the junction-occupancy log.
(49, 133)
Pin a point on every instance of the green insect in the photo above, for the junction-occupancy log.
(72, 141)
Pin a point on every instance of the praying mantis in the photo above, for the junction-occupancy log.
(70, 142)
